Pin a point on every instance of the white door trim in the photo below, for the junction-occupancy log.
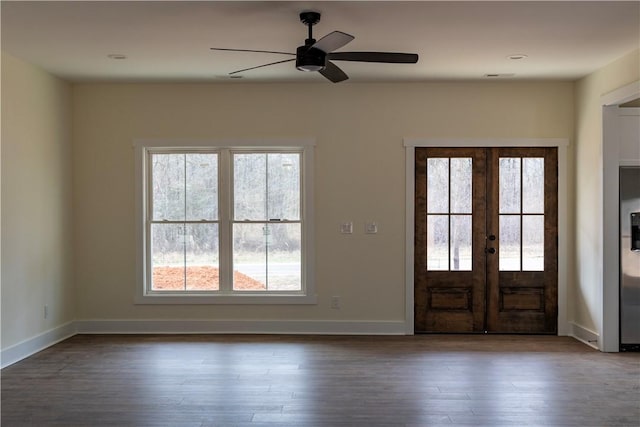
(410, 145)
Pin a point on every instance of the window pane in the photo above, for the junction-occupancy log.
(201, 257)
(461, 185)
(250, 187)
(250, 257)
(267, 257)
(167, 257)
(283, 186)
(461, 242)
(509, 243)
(437, 242)
(263, 221)
(202, 186)
(509, 185)
(437, 185)
(533, 185)
(284, 266)
(533, 242)
(168, 193)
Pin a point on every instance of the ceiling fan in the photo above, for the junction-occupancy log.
(317, 55)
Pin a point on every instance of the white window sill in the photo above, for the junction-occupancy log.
(237, 299)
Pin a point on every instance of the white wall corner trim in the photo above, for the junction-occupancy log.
(585, 335)
(609, 326)
(31, 346)
(292, 327)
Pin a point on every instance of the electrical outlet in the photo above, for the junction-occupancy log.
(335, 302)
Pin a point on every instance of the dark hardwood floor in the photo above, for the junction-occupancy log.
(221, 380)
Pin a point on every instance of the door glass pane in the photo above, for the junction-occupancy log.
(201, 191)
(509, 243)
(167, 257)
(437, 185)
(460, 242)
(533, 185)
(168, 193)
(509, 185)
(250, 187)
(283, 186)
(201, 257)
(533, 242)
(437, 242)
(461, 185)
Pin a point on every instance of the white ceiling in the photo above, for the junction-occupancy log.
(170, 40)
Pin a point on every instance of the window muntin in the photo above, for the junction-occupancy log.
(194, 245)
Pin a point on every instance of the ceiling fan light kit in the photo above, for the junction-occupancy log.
(310, 59)
(317, 55)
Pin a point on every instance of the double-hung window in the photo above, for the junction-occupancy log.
(224, 224)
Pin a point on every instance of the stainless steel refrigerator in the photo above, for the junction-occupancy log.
(630, 258)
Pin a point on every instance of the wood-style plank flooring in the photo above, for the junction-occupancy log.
(222, 380)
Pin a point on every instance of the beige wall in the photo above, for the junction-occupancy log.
(360, 174)
(37, 230)
(587, 294)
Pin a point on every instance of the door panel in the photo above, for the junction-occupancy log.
(449, 290)
(502, 277)
(522, 293)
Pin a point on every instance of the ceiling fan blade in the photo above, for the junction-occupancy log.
(333, 41)
(387, 57)
(260, 66)
(249, 50)
(332, 72)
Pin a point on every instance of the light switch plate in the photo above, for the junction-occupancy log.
(371, 228)
(346, 228)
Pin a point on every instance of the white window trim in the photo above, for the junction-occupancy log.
(306, 296)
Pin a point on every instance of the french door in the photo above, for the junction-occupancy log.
(486, 240)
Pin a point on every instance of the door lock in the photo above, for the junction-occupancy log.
(490, 250)
(492, 237)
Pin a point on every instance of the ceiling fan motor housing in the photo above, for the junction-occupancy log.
(310, 59)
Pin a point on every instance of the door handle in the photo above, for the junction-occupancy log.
(490, 250)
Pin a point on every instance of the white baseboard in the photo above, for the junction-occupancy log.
(28, 347)
(311, 327)
(33, 345)
(585, 335)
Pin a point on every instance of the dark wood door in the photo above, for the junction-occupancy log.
(450, 270)
(486, 240)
